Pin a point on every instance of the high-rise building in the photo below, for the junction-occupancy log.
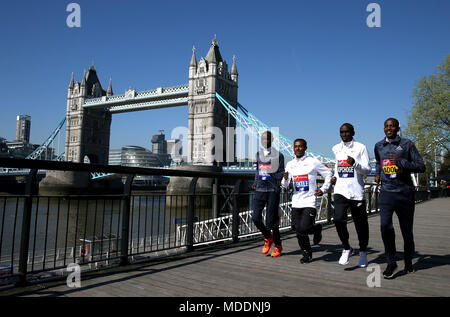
(23, 126)
(175, 150)
(115, 157)
(159, 144)
(137, 156)
(3, 147)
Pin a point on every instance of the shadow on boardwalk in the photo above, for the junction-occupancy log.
(241, 270)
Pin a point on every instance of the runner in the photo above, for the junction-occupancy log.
(396, 159)
(352, 164)
(269, 171)
(303, 171)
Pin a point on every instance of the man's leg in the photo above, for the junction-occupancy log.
(359, 215)
(272, 216)
(259, 202)
(387, 203)
(405, 214)
(304, 226)
(295, 218)
(341, 205)
(340, 219)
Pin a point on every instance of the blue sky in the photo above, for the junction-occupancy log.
(304, 66)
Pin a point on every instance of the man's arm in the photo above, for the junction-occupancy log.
(286, 177)
(377, 165)
(278, 175)
(363, 167)
(256, 173)
(416, 165)
(326, 173)
(334, 178)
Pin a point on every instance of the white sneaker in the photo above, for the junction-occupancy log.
(362, 259)
(345, 255)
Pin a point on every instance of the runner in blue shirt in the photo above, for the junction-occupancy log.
(396, 158)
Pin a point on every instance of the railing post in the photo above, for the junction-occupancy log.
(26, 222)
(329, 207)
(126, 205)
(377, 195)
(215, 198)
(190, 215)
(236, 220)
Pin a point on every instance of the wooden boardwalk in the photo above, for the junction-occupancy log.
(241, 270)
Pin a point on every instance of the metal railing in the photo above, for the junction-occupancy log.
(40, 235)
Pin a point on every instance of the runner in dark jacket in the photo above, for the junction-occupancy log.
(396, 159)
(269, 172)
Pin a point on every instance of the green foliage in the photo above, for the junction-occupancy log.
(429, 119)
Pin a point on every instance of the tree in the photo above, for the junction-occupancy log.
(429, 118)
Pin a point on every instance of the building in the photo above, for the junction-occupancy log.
(87, 132)
(175, 150)
(207, 119)
(169, 151)
(3, 148)
(23, 127)
(21, 149)
(159, 143)
(137, 156)
(115, 157)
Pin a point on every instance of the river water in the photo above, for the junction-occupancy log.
(64, 223)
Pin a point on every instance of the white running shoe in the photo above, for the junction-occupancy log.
(362, 259)
(345, 255)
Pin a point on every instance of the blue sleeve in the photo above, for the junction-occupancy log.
(415, 164)
(278, 175)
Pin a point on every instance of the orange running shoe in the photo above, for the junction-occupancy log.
(277, 251)
(267, 245)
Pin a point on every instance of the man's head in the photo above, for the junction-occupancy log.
(391, 128)
(266, 139)
(347, 132)
(300, 146)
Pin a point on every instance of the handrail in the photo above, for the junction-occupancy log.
(117, 169)
(184, 210)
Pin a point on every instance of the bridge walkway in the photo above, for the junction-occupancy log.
(241, 270)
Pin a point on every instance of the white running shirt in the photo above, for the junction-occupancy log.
(350, 179)
(303, 173)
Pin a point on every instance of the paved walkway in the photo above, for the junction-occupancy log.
(241, 270)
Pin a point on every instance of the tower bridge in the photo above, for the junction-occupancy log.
(143, 100)
(210, 96)
(90, 109)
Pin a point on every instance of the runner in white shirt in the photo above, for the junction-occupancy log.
(303, 171)
(352, 164)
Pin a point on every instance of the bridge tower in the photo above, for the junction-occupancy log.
(208, 142)
(87, 130)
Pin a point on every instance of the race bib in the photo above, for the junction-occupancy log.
(345, 170)
(263, 172)
(301, 183)
(390, 170)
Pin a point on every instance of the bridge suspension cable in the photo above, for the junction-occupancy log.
(257, 127)
(44, 146)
